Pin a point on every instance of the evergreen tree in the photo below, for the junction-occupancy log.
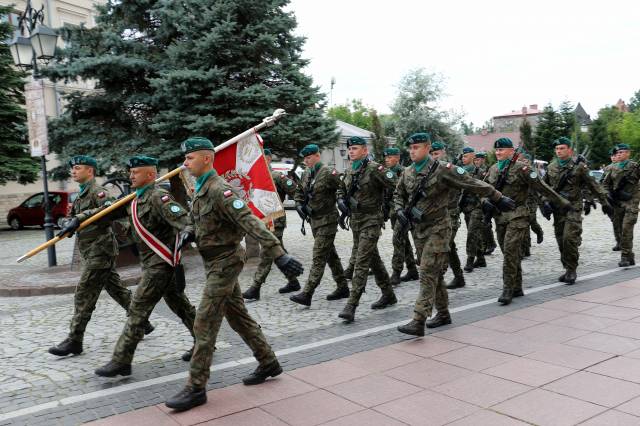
(567, 116)
(379, 142)
(549, 129)
(169, 70)
(526, 137)
(16, 164)
(634, 102)
(602, 135)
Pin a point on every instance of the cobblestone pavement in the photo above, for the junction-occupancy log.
(31, 376)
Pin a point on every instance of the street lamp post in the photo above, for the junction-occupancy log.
(36, 42)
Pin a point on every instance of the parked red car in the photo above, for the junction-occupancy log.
(31, 211)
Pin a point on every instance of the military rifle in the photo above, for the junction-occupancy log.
(619, 194)
(488, 207)
(347, 204)
(303, 209)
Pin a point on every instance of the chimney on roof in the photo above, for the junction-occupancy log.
(533, 106)
(524, 110)
(484, 131)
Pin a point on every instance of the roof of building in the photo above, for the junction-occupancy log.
(531, 110)
(484, 142)
(347, 130)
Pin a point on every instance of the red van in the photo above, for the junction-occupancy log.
(31, 211)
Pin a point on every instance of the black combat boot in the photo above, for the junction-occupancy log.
(293, 285)
(412, 274)
(518, 292)
(252, 293)
(488, 251)
(527, 251)
(113, 369)
(338, 293)
(262, 373)
(616, 247)
(348, 273)
(413, 327)
(387, 299)
(570, 277)
(348, 312)
(468, 267)
(624, 262)
(395, 278)
(456, 282)
(539, 237)
(506, 296)
(441, 318)
(186, 357)
(562, 278)
(301, 298)
(187, 398)
(148, 328)
(66, 347)
(480, 262)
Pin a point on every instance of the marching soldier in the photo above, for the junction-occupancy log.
(402, 250)
(284, 186)
(621, 183)
(361, 197)
(618, 212)
(568, 177)
(220, 221)
(488, 240)
(422, 199)
(316, 203)
(98, 250)
(470, 206)
(515, 180)
(532, 205)
(156, 219)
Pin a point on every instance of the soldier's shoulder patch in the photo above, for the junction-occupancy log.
(101, 194)
(165, 198)
(533, 175)
(238, 204)
(289, 182)
(449, 165)
(389, 175)
(380, 167)
(175, 208)
(591, 173)
(228, 193)
(460, 170)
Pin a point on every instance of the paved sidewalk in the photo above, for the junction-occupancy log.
(573, 360)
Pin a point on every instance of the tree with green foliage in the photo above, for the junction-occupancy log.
(567, 120)
(16, 164)
(634, 102)
(603, 135)
(168, 70)
(353, 112)
(526, 137)
(550, 128)
(415, 109)
(378, 141)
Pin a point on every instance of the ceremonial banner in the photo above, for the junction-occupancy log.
(36, 118)
(244, 167)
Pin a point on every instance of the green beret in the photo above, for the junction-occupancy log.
(467, 150)
(356, 140)
(83, 160)
(196, 143)
(503, 143)
(613, 151)
(391, 151)
(421, 137)
(309, 149)
(267, 152)
(437, 146)
(622, 147)
(562, 140)
(141, 161)
(481, 154)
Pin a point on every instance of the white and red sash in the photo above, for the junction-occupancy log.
(165, 253)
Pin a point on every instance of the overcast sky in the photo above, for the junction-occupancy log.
(496, 56)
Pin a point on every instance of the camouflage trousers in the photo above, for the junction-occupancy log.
(324, 253)
(402, 253)
(453, 258)
(489, 239)
(365, 246)
(568, 232)
(510, 235)
(91, 284)
(533, 226)
(616, 220)
(475, 233)
(221, 298)
(266, 261)
(625, 219)
(158, 282)
(433, 265)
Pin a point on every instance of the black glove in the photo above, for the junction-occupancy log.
(343, 207)
(607, 209)
(487, 207)
(547, 210)
(587, 208)
(289, 265)
(185, 238)
(506, 204)
(402, 218)
(70, 227)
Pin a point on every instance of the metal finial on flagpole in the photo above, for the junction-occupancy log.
(277, 114)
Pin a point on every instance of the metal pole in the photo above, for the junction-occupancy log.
(48, 219)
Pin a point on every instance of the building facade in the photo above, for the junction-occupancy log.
(511, 121)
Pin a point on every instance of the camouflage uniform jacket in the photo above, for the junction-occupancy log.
(221, 220)
(323, 183)
(578, 180)
(159, 213)
(284, 186)
(521, 179)
(388, 193)
(437, 197)
(470, 201)
(613, 181)
(366, 202)
(96, 242)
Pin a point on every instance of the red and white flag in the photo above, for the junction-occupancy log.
(244, 167)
